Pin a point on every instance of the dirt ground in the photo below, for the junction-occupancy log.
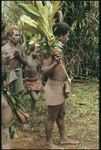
(26, 140)
(81, 121)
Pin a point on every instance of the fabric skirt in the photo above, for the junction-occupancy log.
(54, 94)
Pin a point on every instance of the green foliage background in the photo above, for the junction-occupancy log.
(81, 53)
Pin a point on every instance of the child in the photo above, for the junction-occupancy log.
(33, 83)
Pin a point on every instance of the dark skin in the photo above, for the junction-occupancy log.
(49, 67)
(6, 110)
(34, 63)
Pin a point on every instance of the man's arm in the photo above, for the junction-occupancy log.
(48, 66)
(22, 58)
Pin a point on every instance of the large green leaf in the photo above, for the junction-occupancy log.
(56, 7)
(28, 20)
(30, 8)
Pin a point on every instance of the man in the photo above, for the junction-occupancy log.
(13, 58)
(6, 114)
(54, 93)
(32, 71)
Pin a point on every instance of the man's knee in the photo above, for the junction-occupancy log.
(62, 111)
(52, 113)
(61, 116)
(52, 118)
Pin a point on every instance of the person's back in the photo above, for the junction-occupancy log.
(33, 59)
(32, 74)
(57, 73)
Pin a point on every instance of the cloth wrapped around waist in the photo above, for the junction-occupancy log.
(54, 94)
(32, 84)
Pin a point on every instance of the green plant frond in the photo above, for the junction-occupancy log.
(26, 19)
(74, 25)
(56, 7)
(45, 20)
(39, 5)
(49, 6)
(29, 8)
(24, 26)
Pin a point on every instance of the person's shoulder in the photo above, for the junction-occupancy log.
(47, 57)
(6, 47)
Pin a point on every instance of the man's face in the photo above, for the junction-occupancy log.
(64, 38)
(16, 36)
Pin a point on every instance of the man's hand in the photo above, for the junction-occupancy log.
(58, 56)
(17, 54)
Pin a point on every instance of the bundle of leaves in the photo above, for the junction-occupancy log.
(40, 17)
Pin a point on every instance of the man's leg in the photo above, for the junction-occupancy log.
(49, 129)
(52, 115)
(60, 123)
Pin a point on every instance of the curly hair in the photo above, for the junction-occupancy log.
(60, 28)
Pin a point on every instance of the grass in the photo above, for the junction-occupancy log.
(81, 119)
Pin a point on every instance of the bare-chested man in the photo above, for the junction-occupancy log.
(54, 94)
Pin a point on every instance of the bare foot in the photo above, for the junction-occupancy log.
(53, 146)
(69, 141)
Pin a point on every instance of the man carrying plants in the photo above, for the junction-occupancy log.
(54, 93)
